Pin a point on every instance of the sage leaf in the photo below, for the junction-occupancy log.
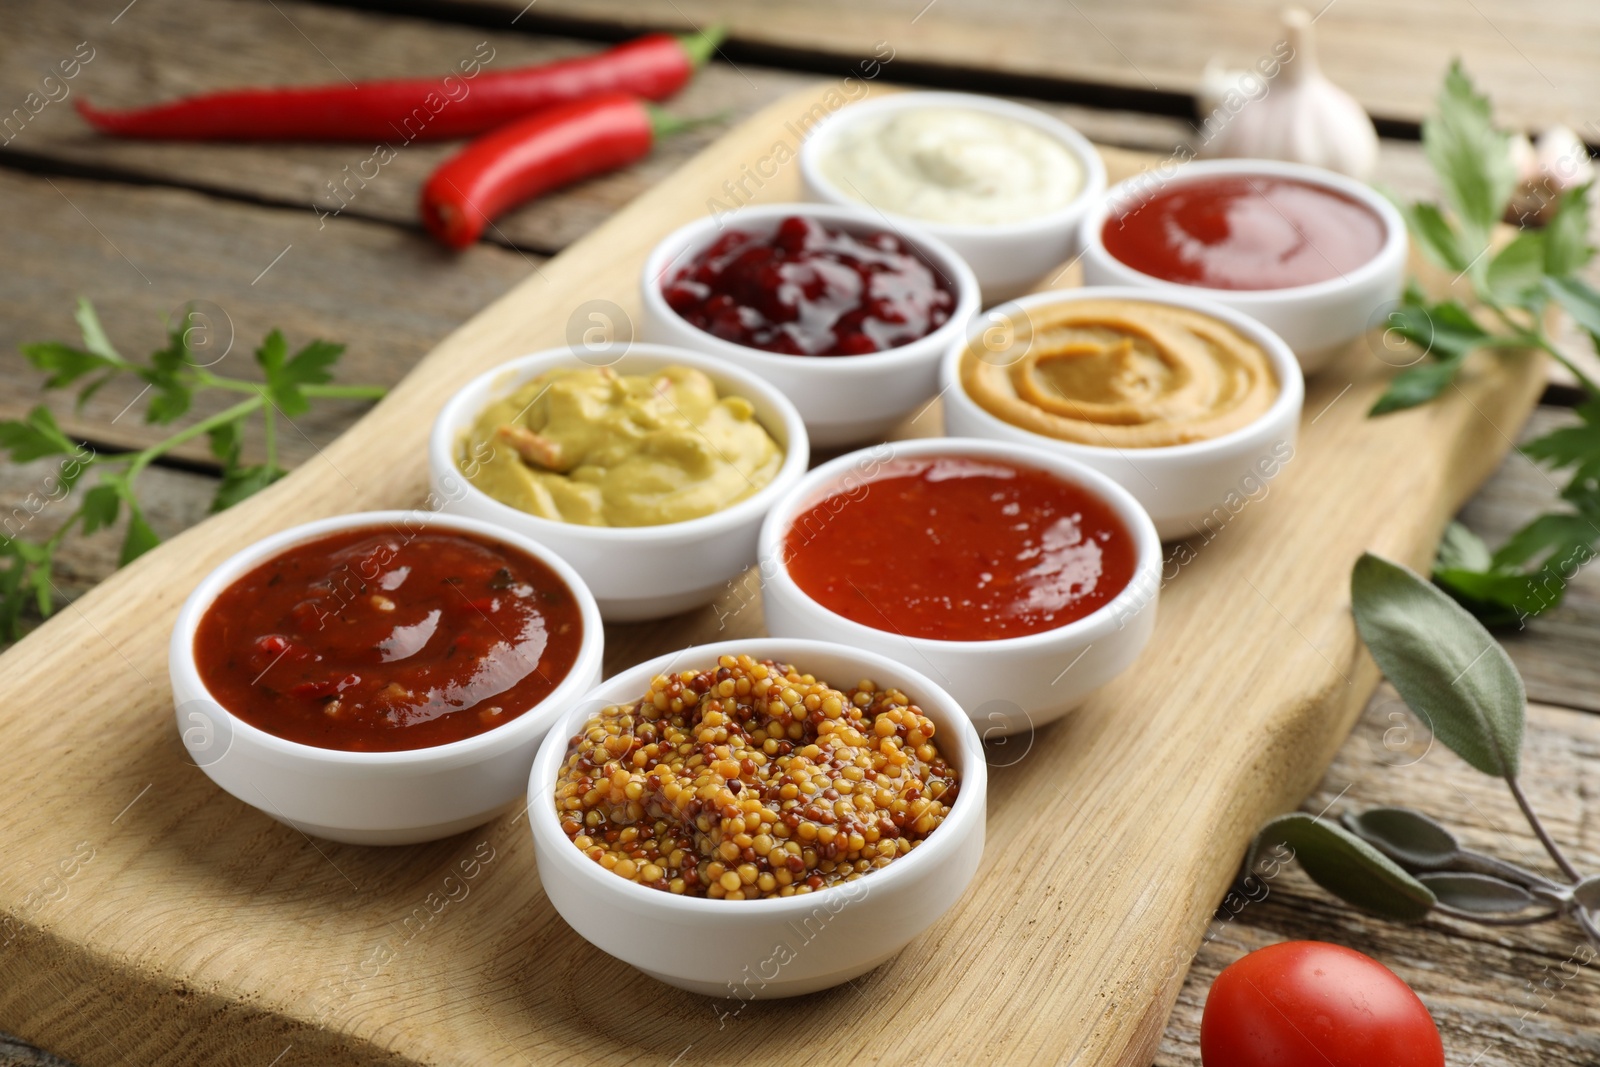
(1461, 549)
(1408, 837)
(1480, 894)
(1442, 661)
(1346, 866)
(1587, 893)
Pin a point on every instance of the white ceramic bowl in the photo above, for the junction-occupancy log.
(1006, 686)
(635, 572)
(1008, 258)
(1187, 489)
(1316, 321)
(778, 947)
(369, 798)
(843, 399)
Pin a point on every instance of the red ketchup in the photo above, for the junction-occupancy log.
(807, 290)
(961, 549)
(1245, 232)
(373, 640)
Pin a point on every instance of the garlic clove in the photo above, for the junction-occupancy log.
(1524, 162)
(1216, 82)
(1562, 158)
(1556, 161)
(1298, 115)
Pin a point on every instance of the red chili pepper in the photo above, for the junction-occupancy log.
(555, 147)
(415, 109)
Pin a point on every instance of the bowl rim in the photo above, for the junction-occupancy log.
(181, 655)
(495, 382)
(1390, 255)
(1066, 216)
(1287, 405)
(697, 233)
(952, 719)
(1143, 586)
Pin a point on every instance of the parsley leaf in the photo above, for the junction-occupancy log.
(1470, 157)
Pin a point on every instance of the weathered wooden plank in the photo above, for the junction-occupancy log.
(141, 253)
(133, 67)
(1556, 651)
(229, 44)
(1536, 59)
(1502, 998)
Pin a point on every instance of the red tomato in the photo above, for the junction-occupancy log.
(1310, 1004)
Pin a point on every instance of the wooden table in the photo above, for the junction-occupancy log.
(144, 228)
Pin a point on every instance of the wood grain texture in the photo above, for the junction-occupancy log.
(200, 931)
(143, 253)
(1536, 60)
(1502, 998)
(228, 43)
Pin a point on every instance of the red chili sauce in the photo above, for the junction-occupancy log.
(807, 290)
(375, 640)
(960, 549)
(1245, 232)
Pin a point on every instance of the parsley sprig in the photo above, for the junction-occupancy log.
(172, 376)
(1515, 284)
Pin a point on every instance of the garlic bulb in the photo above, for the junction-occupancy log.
(1293, 112)
(1556, 161)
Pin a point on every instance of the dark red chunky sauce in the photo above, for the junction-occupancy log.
(808, 290)
(961, 549)
(373, 640)
(1245, 232)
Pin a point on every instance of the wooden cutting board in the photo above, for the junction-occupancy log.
(146, 917)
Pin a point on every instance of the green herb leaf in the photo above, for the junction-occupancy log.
(1408, 837)
(25, 578)
(1461, 549)
(139, 539)
(1558, 534)
(65, 363)
(241, 482)
(34, 437)
(168, 375)
(1470, 157)
(1516, 272)
(1579, 299)
(100, 507)
(282, 388)
(313, 364)
(227, 441)
(1346, 866)
(1445, 665)
(1445, 330)
(1480, 894)
(1417, 385)
(1566, 235)
(94, 335)
(1438, 239)
(1500, 599)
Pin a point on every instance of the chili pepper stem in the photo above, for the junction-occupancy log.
(666, 124)
(702, 45)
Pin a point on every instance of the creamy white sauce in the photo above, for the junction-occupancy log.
(954, 165)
